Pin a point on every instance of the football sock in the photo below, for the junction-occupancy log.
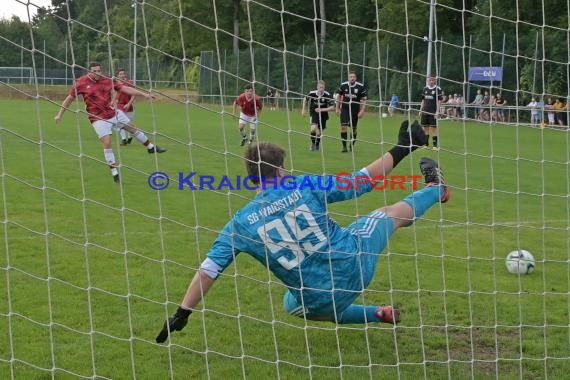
(109, 157)
(354, 137)
(398, 154)
(358, 314)
(423, 199)
(139, 135)
(123, 133)
(242, 133)
(318, 141)
(251, 135)
(114, 172)
(434, 139)
(314, 137)
(344, 137)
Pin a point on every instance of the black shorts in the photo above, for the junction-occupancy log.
(320, 119)
(428, 120)
(348, 117)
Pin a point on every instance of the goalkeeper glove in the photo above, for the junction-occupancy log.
(404, 145)
(418, 136)
(175, 323)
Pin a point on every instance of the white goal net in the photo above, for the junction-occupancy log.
(91, 269)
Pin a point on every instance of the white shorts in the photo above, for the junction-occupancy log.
(105, 127)
(130, 115)
(251, 120)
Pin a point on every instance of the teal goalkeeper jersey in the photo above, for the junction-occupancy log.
(289, 231)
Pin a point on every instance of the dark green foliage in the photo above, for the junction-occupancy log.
(290, 50)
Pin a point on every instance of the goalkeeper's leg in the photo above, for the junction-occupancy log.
(367, 314)
(409, 139)
(353, 314)
(404, 213)
(375, 229)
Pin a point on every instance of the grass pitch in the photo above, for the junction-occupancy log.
(90, 270)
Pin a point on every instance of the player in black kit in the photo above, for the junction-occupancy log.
(350, 105)
(320, 103)
(432, 96)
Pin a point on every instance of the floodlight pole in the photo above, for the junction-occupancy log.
(430, 37)
(134, 73)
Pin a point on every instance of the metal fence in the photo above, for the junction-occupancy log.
(295, 72)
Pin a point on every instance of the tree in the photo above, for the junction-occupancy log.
(18, 32)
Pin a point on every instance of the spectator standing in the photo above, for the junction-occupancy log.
(393, 104)
(500, 102)
(558, 112)
(477, 103)
(550, 111)
(534, 119)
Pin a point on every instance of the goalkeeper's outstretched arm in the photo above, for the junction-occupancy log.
(201, 283)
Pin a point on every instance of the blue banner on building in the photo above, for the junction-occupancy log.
(486, 74)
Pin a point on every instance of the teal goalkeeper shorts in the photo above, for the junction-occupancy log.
(370, 236)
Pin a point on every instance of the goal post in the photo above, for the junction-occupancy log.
(91, 269)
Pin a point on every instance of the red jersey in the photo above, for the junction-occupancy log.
(123, 99)
(97, 96)
(248, 107)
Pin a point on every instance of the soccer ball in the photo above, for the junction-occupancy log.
(520, 262)
(384, 115)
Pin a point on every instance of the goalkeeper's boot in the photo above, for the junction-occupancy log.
(388, 314)
(434, 177)
(116, 179)
(156, 149)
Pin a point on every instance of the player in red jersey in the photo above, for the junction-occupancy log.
(125, 103)
(251, 107)
(96, 91)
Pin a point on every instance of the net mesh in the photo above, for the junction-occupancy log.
(92, 269)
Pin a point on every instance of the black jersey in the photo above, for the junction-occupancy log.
(315, 101)
(430, 97)
(351, 96)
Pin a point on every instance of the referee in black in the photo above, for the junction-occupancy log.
(351, 103)
(432, 96)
